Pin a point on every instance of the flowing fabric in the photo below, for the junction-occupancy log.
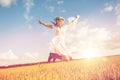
(58, 42)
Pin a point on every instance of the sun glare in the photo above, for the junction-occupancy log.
(89, 53)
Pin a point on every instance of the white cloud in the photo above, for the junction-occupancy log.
(9, 58)
(9, 55)
(60, 2)
(7, 3)
(51, 8)
(118, 20)
(117, 12)
(106, 4)
(112, 45)
(28, 6)
(63, 11)
(31, 55)
(82, 36)
(117, 9)
(28, 17)
(108, 9)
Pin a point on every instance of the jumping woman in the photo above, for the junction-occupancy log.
(58, 42)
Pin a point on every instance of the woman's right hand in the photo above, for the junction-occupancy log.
(40, 22)
(44, 24)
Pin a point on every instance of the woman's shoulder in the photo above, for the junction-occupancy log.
(65, 26)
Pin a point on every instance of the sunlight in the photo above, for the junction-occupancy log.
(89, 52)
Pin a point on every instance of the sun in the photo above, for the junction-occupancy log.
(89, 52)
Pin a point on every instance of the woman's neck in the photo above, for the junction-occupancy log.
(59, 25)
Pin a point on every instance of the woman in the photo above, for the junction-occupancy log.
(58, 42)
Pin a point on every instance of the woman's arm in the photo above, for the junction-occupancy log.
(73, 21)
(45, 24)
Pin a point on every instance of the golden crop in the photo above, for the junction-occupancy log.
(104, 68)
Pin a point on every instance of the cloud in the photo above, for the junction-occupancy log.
(60, 2)
(28, 17)
(28, 5)
(107, 9)
(117, 9)
(63, 11)
(7, 3)
(51, 8)
(113, 42)
(81, 36)
(9, 55)
(31, 55)
(118, 20)
(117, 12)
(9, 58)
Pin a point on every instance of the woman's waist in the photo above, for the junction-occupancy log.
(59, 36)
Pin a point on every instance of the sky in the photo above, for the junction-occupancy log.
(23, 40)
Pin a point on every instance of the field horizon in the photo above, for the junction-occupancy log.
(46, 62)
(100, 68)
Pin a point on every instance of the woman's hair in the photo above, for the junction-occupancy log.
(59, 17)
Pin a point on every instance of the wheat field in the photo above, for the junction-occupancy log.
(104, 68)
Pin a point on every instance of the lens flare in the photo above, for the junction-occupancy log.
(89, 52)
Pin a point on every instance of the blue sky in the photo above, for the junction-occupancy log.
(23, 40)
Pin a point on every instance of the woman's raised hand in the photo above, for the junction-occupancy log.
(77, 16)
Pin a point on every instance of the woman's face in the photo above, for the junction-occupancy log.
(59, 22)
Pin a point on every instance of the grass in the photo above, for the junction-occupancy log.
(104, 68)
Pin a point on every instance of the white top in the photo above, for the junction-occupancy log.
(58, 42)
(60, 31)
